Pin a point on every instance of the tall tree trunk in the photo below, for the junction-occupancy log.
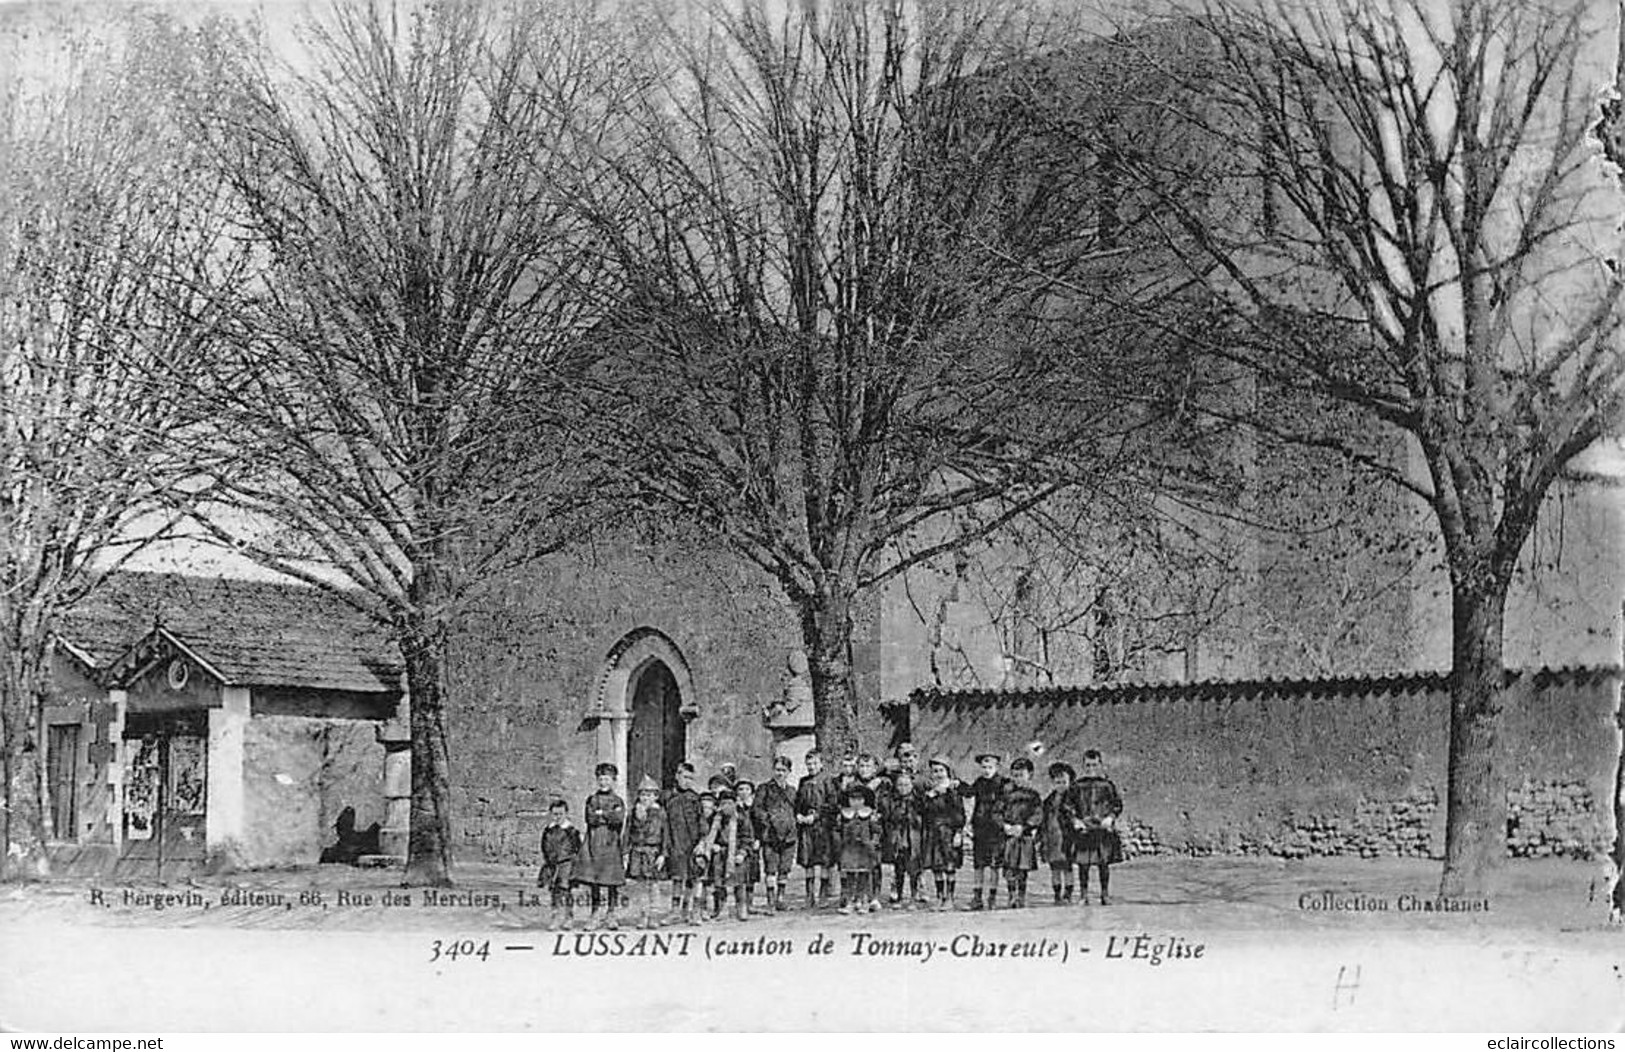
(428, 846)
(1475, 827)
(826, 631)
(22, 852)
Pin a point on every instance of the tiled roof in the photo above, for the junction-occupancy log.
(1215, 689)
(254, 633)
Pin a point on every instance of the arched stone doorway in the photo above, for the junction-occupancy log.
(657, 740)
(645, 699)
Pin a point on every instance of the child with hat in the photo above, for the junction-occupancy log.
(1020, 815)
(726, 845)
(987, 832)
(942, 806)
(685, 825)
(645, 849)
(1091, 809)
(561, 845)
(750, 839)
(1054, 840)
(776, 829)
(601, 866)
(860, 849)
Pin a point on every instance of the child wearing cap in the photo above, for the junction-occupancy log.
(860, 850)
(645, 850)
(750, 839)
(685, 825)
(1091, 809)
(816, 803)
(776, 829)
(561, 844)
(1020, 815)
(987, 833)
(726, 844)
(600, 866)
(943, 811)
(1054, 840)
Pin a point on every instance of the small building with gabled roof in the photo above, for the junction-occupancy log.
(216, 722)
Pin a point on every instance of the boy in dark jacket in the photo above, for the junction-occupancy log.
(1020, 815)
(1091, 810)
(816, 803)
(904, 845)
(775, 812)
(1054, 839)
(685, 825)
(561, 844)
(987, 833)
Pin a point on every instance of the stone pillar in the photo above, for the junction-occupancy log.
(614, 725)
(225, 821)
(396, 829)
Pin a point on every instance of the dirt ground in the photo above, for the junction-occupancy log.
(1187, 944)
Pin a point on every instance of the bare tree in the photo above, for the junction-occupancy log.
(1418, 225)
(107, 225)
(416, 294)
(830, 345)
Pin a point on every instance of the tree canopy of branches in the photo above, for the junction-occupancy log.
(107, 228)
(829, 345)
(1423, 231)
(416, 290)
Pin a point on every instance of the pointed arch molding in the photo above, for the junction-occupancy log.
(626, 659)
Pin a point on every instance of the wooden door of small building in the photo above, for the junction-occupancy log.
(166, 777)
(658, 739)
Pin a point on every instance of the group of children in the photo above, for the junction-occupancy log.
(842, 828)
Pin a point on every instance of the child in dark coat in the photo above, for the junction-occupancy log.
(685, 825)
(1054, 839)
(860, 850)
(1091, 809)
(751, 837)
(561, 844)
(987, 833)
(943, 809)
(601, 865)
(1021, 814)
(727, 845)
(775, 813)
(904, 845)
(816, 804)
(646, 838)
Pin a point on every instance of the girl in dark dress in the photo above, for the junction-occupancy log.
(943, 808)
(1054, 841)
(1020, 814)
(601, 864)
(646, 838)
(1091, 809)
